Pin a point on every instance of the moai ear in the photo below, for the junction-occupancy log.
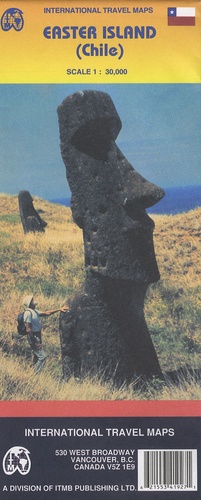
(76, 211)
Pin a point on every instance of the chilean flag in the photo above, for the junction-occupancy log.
(181, 16)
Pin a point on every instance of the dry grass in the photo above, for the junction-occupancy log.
(177, 241)
(51, 266)
(18, 382)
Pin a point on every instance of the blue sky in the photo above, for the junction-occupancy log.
(160, 136)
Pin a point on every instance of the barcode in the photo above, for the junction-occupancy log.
(167, 470)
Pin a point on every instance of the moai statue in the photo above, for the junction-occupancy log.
(31, 220)
(105, 332)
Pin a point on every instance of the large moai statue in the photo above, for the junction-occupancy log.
(31, 220)
(105, 332)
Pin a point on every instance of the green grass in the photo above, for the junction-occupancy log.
(10, 218)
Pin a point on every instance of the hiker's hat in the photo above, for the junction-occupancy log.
(27, 300)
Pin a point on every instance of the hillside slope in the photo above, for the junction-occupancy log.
(51, 265)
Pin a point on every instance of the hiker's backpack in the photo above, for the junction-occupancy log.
(21, 327)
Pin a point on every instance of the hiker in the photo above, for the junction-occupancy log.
(33, 329)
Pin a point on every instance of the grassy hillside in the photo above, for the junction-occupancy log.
(51, 266)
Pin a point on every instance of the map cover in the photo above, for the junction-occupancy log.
(100, 267)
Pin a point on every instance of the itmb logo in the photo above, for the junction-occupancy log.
(17, 459)
(12, 18)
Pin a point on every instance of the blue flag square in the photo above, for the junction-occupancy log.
(172, 12)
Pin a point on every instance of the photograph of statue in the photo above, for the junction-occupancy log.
(99, 223)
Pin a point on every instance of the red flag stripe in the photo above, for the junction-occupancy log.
(181, 21)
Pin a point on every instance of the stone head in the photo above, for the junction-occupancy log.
(26, 198)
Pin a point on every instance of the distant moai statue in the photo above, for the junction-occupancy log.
(31, 220)
(105, 332)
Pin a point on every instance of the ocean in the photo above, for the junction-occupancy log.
(177, 200)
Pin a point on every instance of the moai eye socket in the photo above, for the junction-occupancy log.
(94, 139)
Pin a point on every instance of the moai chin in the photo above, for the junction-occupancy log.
(105, 332)
(31, 220)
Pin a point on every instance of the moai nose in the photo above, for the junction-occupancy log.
(141, 193)
(137, 192)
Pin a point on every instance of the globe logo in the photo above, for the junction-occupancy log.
(12, 18)
(17, 458)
